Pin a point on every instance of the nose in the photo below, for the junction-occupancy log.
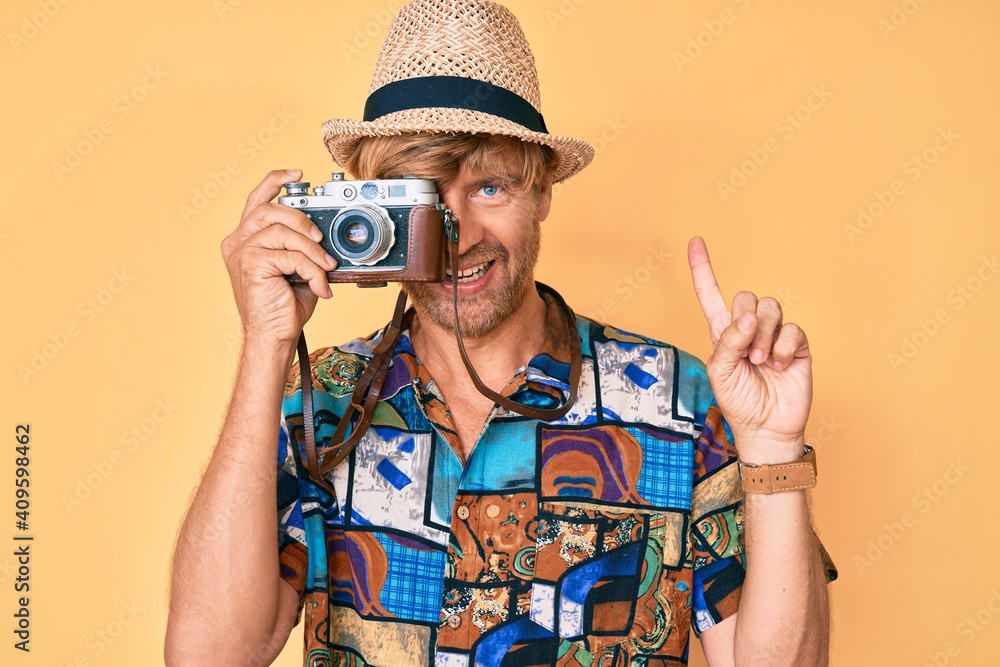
(471, 229)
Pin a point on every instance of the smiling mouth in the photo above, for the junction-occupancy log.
(472, 273)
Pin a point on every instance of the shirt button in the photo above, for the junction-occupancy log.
(462, 512)
(454, 620)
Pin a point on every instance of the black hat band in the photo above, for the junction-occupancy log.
(453, 92)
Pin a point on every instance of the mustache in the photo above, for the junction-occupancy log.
(483, 252)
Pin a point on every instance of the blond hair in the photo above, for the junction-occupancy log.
(440, 157)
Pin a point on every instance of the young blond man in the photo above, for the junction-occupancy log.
(461, 531)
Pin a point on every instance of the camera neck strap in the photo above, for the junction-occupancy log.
(368, 389)
(576, 359)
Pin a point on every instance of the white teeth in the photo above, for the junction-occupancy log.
(475, 273)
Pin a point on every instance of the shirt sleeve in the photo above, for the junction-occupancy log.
(293, 554)
(718, 546)
(716, 532)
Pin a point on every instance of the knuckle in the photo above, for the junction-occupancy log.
(769, 303)
(264, 210)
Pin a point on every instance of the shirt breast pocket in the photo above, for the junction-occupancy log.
(598, 570)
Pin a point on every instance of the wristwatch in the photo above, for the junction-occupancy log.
(768, 478)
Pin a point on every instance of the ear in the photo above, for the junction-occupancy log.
(545, 197)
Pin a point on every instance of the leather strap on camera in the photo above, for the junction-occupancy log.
(367, 392)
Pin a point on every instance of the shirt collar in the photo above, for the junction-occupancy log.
(543, 382)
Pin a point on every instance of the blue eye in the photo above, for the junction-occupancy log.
(490, 190)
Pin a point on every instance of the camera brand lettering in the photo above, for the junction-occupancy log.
(218, 180)
(121, 108)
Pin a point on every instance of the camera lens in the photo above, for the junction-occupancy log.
(356, 234)
(363, 234)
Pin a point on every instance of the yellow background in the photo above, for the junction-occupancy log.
(672, 129)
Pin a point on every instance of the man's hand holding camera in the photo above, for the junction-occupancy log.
(273, 241)
(760, 368)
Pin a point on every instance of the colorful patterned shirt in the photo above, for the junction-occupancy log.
(597, 538)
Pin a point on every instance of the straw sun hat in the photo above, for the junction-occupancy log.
(455, 66)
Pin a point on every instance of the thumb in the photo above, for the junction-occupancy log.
(734, 339)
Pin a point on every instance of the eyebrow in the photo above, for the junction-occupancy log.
(493, 180)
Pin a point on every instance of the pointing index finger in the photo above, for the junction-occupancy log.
(706, 287)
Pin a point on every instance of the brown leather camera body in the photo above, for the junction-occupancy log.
(425, 255)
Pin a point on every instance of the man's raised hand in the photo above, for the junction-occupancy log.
(760, 368)
(273, 241)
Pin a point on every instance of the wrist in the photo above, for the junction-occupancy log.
(762, 448)
(268, 353)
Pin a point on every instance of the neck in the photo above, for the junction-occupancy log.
(495, 356)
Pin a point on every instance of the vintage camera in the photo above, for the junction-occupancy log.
(379, 231)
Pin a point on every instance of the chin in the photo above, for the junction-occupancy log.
(480, 314)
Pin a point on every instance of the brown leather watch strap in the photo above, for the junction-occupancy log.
(772, 478)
